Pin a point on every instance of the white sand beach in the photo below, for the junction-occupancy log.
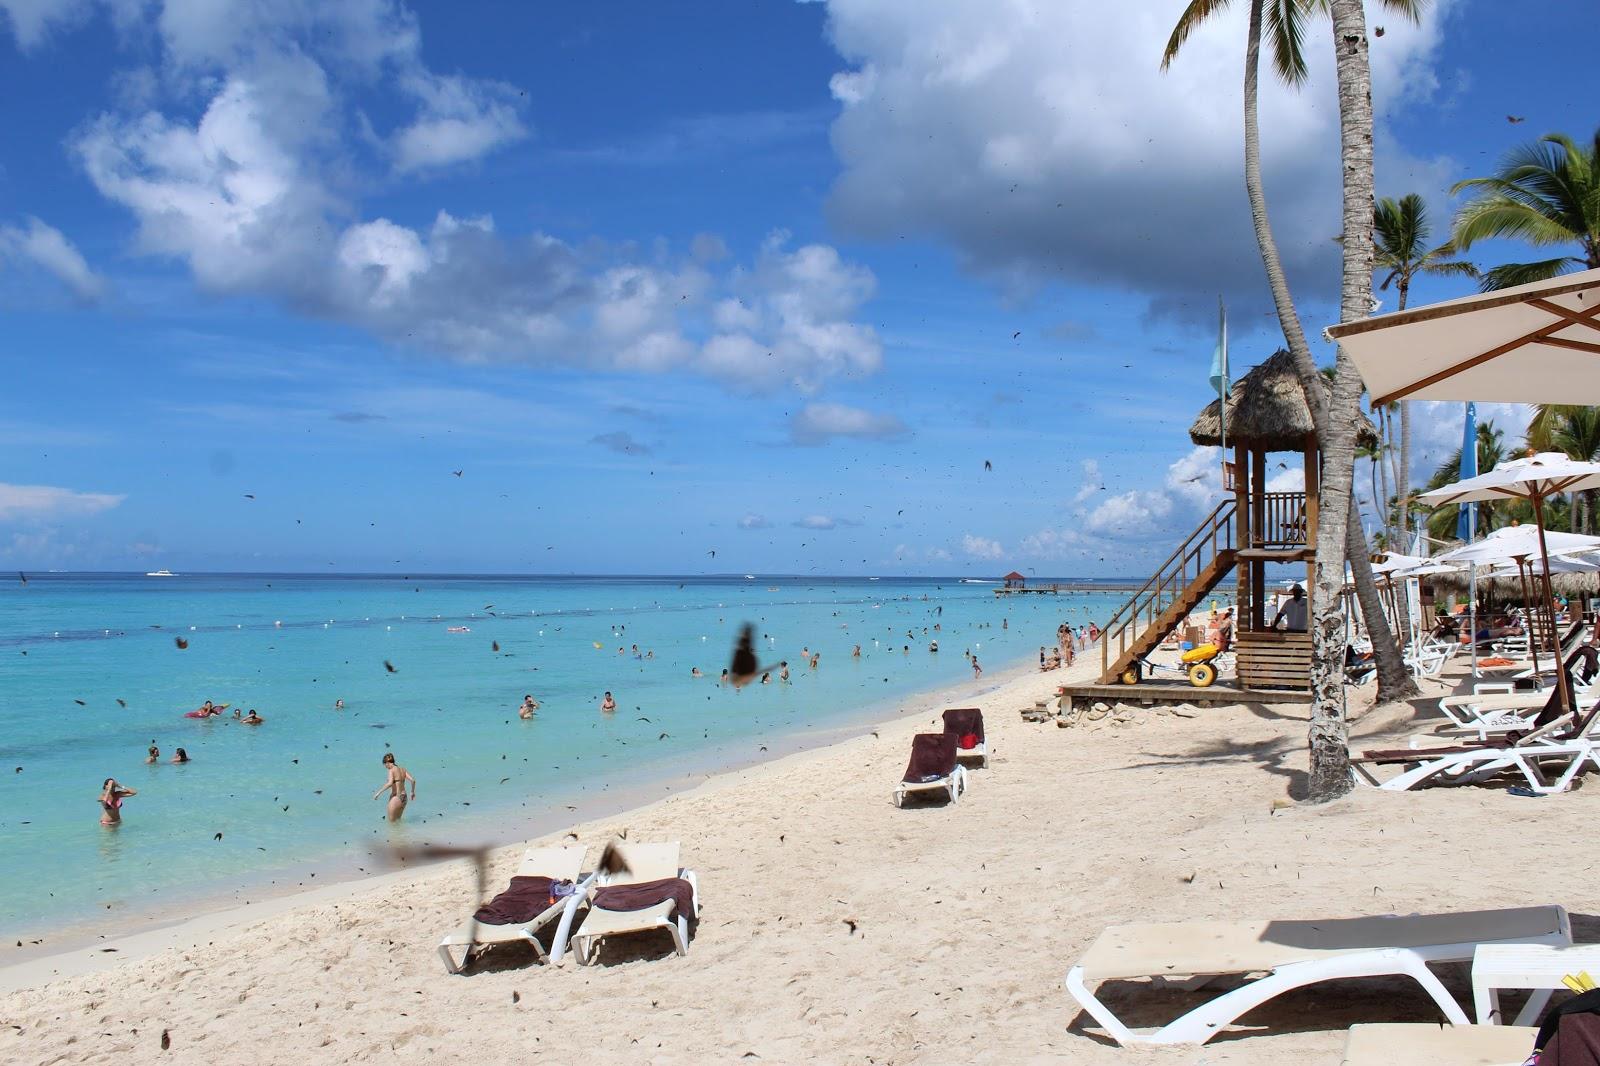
(837, 928)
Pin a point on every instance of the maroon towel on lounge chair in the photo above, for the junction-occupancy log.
(1576, 1043)
(962, 721)
(525, 900)
(933, 755)
(647, 894)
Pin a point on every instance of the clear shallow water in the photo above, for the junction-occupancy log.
(297, 789)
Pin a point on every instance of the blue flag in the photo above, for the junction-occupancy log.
(1219, 368)
(1469, 468)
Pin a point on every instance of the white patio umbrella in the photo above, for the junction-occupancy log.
(1564, 564)
(1526, 344)
(1518, 542)
(1531, 479)
(1393, 561)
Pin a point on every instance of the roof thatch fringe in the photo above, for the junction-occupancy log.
(1267, 409)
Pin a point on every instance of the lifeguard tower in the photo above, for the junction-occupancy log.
(1253, 527)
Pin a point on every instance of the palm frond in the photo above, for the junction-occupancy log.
(1505, 217)
(1193, 15)
(1286, 30)
(1442, 268)
(1509, 275)
(1410, 9)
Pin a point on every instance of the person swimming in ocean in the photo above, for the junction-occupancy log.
(696, 672)
(154, 755)
(252, 718)
(529, 705)
(723, 680)
(111, 797)
(856, 654)
(607, 704)
(396, 787)
(783, 670)
(179, 757)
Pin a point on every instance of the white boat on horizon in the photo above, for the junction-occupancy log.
(749, 577)
(160, 573)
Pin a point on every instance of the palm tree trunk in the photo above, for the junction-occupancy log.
(1381, 506)
(1330, 758)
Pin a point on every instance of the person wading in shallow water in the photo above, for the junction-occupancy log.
(111, 797)
(399, 776)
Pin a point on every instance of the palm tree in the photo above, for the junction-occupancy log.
(1336, 417)
(1491, 450)
(1546, 193)
(1401, 252)
(1576, 432)
(1373, 453)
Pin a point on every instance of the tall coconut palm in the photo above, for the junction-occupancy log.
(1401, 253)
(1546, 193)
(1337, 417)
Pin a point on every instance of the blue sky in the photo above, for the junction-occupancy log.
(766, 278)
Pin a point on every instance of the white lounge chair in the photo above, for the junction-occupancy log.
(1422, 1044)
(934, 767)
(1546, 764)
(1293, 954)
(558, 864)
(646, 862)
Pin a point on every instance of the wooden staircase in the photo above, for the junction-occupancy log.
(1178, 586)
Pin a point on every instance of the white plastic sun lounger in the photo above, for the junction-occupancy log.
(1545, 766)
(1293, 954)
(558, 864)
(646, 862)
(1421, 1044)
(952, 785)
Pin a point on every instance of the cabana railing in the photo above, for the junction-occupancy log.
(1281, 521)
(1191, 571)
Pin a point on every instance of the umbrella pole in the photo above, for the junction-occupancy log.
(1549, 602)
(1472, 598)
(1527, 599)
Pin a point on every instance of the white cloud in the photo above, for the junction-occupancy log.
(754, 521)
(981, 547)
(46, 247)
(47, 501)
(1197, 477)
(256, 197)
(1093, 482)
(816, 521)
(816, 423)
(1058, 544)
(1135, 514)
(1085, 161)
(460, 120)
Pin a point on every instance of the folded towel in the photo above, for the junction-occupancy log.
(647, 894)
(964, 722)
(525, 900)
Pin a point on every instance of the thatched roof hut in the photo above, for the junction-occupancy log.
(1267, 410)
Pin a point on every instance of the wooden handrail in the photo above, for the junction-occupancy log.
(1153, 597)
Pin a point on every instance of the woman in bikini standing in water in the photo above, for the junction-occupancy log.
(111, 797)
(396, 787)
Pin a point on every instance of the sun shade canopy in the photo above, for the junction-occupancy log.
(1545, 474)
(1537, 343)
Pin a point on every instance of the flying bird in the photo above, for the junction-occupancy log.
(612, 861)
(22, 577)
(987, 465)
(249, 495)
(458, 473)
(389, 666)
(1514, 119)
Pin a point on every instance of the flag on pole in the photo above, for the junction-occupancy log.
(1220, 383)
(1469, 468)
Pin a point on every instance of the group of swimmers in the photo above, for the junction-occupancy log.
(212, 710)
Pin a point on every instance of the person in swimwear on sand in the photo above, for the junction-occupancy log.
(608, 705)
(179, 757)
(111, 797)
(396, 787)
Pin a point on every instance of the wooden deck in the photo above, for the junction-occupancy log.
(1147, 693)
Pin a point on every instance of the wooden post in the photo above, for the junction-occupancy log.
(1258, 504)
(1313, 486)
(1241, 510)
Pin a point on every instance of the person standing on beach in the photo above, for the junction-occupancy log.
(977, 671)
(396, 787)
(111, 797)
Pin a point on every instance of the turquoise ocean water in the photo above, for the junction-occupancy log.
(296, 791)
